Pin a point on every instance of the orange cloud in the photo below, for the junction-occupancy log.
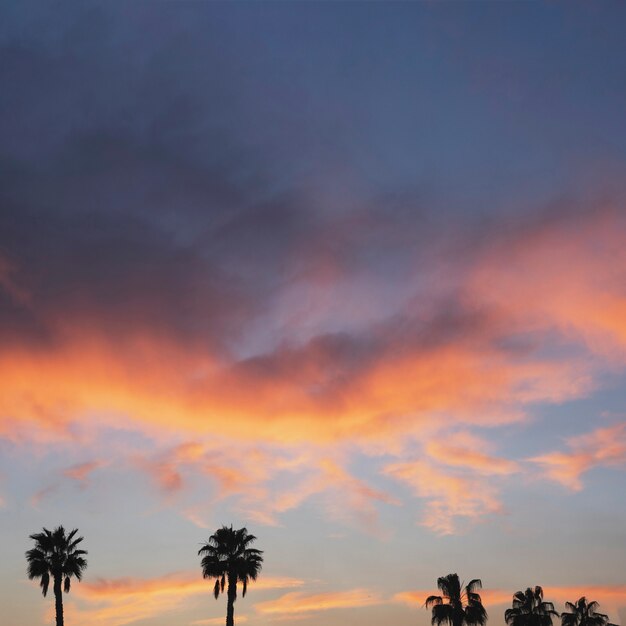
(416, 599)
(297, 603)
(305, 394)
(604, 447)
(344, 497)
(41, 494)
(170, 583)
(610, 597)
(233, 468)
(264, 482)
(563, 275)
(399, 380)
(566, 273)
(81, 471)
(449, 497)
(217, 621)
(123, 601)
(463, 450)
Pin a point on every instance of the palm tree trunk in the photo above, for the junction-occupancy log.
(58, 600)
(232, 595)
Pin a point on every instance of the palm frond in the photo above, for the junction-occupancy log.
(476, 583)
(227, 555)
(475, 615)
(592, 606)
(511, 614)
(441, 614)
(55, 556)
(569, 619)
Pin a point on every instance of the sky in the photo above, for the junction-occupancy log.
(351, 275)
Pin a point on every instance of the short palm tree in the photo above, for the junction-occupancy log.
(459, 606)
(583, 613)
(227, 557)
(529, 609)
(56, 557)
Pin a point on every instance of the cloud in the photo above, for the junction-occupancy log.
(469, 359)
(116, 602)
(263, 482)
(610, 597)
(449, 497)
(307, 393)
(480, 347)
(416, 599)
(603, 447)
(344, 498)
(81, 471)
(462, 450)
(564, 271)
(295, 603)
(217, 621)
(457, 478)
(152, 281)
(41, 494)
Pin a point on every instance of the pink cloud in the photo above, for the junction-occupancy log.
(564, 273)
(295, 603)
(449, 497)
(394, 383)
(610, 597)
(81, 471)
(467, 451)
(603, 447)
(116, 602)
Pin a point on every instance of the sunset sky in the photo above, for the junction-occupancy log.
(352, 275)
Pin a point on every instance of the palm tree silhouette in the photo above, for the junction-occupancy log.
(583, 613)
(529, 609)
(56, 556)
(459, 606)
(227, 557)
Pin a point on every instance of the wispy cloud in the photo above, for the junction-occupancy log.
(81, 471)
(610, 597)
(603, 447)
(295, 603)
(416, 598)
(41, 494)
(450, 498)
(467, 451)
(217, 621)
(116, 602)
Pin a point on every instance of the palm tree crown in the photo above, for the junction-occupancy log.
(459, 605)
(227, 557)
(583, 613)
(529, 609)
(56, 557)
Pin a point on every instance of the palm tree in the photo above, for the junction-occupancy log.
(459, 605)
(583, 613)
(226, 556)
(529, 609)
(55, 556)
